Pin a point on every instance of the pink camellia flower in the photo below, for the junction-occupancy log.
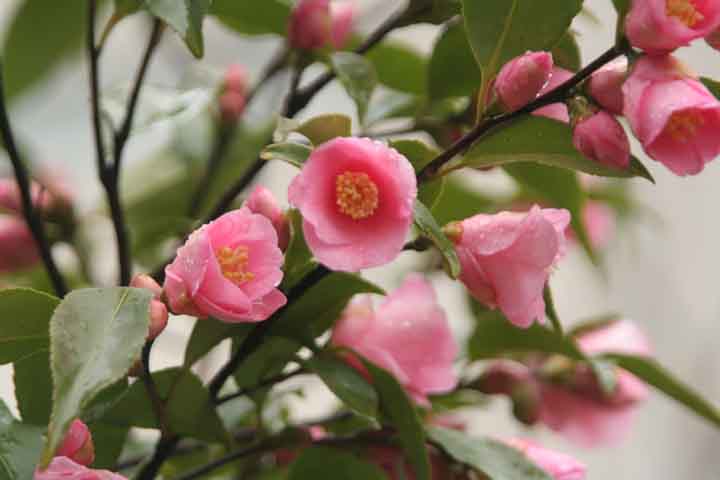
(601, 138)
(17, 245)
(63, 468)
(506, 259)
(408, 335)
(714, 39)
(522, 78)
(158, 310)
(228, 269)
(319, 23)
(356, 196)
(605, 85)
(262, 202)
(558, 465)
(674, 116)
(661, 26)
(77, 444)
(555, 111)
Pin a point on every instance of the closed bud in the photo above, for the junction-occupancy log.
(522, 78)
(601, 138)
(77, 444)
(605, 86)
(17, 245)
(158, 310)
(235, 79)
(232, 106)
(262, 202)
(316, 24)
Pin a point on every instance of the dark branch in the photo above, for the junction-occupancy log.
(268, 382)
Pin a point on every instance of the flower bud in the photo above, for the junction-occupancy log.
(605, 86)
(158, 310)
(262, 202)
(235, 79)
(318, 24)
(77, 444)
(232, 105)
(555, 111)
(17, 245)
(601, 138)
(522, 78)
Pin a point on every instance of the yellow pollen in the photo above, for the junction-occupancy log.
(357, 194)
(233, 263)
(683, 125)
(684, 10)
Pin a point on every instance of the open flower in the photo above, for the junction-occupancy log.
(559, 466)
(408, 335)
(522, 78)
(674, 116)
(228, 269)
(62, 468)
(356, 197)
(320, 23)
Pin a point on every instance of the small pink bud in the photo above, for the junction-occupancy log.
(558, 465)
(522, 78)
(714, 39)
(77, 444)
(232, 106)
(47, 201)
(555, 111)
(17, 245)
(605, 86)
(341, 15)
(146, 281)
(317, 24)
(601, 138)
(235, 79)
(63, 468)
(262, 201)
(158, 310)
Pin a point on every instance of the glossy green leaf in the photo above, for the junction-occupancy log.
(20, 446)
(420, 154)
(399, 67)
(109, 441)
(358, 76)
(712, 85)
(325, 127)
(24, 322)
(459, 201)
(429, 227)
(345, 382)
(245, 17)
(124, 8)
(648, 370)
(621, 7)
(318, 462)
(432, 11)
(499, 30)
(298, 257)
(388, 103)
(290, 152)
(493, 458)
(402, 414)
(96, 335)
(544, 141)
(185, 17)
(207, 333)
(452, 71)
(267, 361)
(33, 387)
(566, 53)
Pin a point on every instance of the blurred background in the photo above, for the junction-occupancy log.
(660, 271)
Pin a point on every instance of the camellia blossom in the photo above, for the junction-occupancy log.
(556, 111)
(158, 310)
(63, 468)
(559, 466)
(605, 85)
(601, 138)
(262, 202)
(661, 26)
(228, 269)
(320, 23)
(408, 335)
(356, 197)
(506, 259)
(672, 114)
(522, 78)
(17, 245)
(234, 92)
(77, 444)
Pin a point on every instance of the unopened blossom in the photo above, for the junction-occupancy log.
(45, 199)
(318, 24)
(599, 222)
(673, 114)
(228, 269)
(63, 468)
(661, 26)
(356, 197)
(234, 92)
(600, 137)
(263, 202)
(605, 85)
(77, 444)
(522, 78)
(158, 310)
(507, 258)
(408, 335)
(555, 111)
(17, 245)
(559, 466)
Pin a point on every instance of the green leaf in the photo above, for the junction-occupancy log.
(390, 104)
(298, 257)
(428, 226)
(20, 446)
(566, 53)
(500, 30)
(109, 441)
(96, 335)
(621, 7)
(345, 382)
(325, 127)
(317, 462)
(491, 457)
(24, 325)
(33, 387)
(268, 360)
(358, 76)
(291, 152)
(185, 17)
(399, 409)
(207, 333)
(458, 202)
(245, 17)
(399, 67)
(712, 85)
(652, 373)
(544, 141)
(420, 154)
(124, 8)
(189, 411)
(452, 71)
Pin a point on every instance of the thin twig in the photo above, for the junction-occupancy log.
(164, 448)
(32, 217)
(264, 383)
(231, 457)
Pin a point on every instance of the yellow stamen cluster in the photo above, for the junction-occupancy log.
(233, 263)
(685, 11)
(357, 194)
(683, 125)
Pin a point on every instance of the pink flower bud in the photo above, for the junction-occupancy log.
(232, 106)
(44, 199)
(158, 310)
(558, 465)
(356, 197)
(714, 39)
(341, 15)
(506, 259)
(17, 245)
(317, 24)
(661, 26)
(672, 114)
(599, 222)
(235, 79)
(77, 444)
(228, 269)
(63, 468)
(600, 137)
(522, 78)
(262, 202)
(605, 86)
(408, 334)
(555, 111)
(147, 282)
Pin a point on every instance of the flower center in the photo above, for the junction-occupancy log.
(233, 263)
(357, 195)
(683, 10)
(683, 125)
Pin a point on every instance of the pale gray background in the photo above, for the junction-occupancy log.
(662, 276)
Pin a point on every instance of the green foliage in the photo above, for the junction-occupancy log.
(358, 76)
(712, 85)
(33, 387)
(428, 226)
(420, 154)
(185, 17)
(246, 18)
(459, 201)
(323, 128)
(296, 154)
(20, 446)
(399, 67)
(298, 257)
(317, 462)
(207, 333)
(109, 441)
(566, 53)
(452, 71)
(24, 328)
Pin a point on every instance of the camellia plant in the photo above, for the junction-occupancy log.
(504, 88)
